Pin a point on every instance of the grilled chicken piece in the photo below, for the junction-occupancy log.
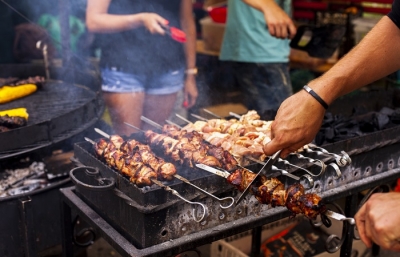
(206, 149)
(180, 150)
(134, 160)
(165, 170)
(272, 191)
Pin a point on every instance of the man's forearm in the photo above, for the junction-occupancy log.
(376, 56)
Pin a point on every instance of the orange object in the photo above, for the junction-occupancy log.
(397, 188)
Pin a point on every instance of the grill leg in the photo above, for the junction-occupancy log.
(66, 230)
(256, 241)
(350, 210)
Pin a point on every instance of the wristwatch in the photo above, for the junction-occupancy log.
(192, 71)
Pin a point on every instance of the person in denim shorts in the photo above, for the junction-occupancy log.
(143, 68)
(256, 43)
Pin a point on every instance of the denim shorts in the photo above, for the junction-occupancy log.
(265, 85)
(121, 82)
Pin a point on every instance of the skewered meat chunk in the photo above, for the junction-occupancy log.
(134, 160)
(180, 150)
(272, 191)
(165, 170)
(196, 139)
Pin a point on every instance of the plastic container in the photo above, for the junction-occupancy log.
(218, 14)
(212, 34)
(362, 26)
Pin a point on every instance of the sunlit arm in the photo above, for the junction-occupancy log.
(376, 56)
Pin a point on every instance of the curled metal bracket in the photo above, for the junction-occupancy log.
(83, 233)
(337, 170)
(317, 162)
(103, 183)
(341, 160)
(309, 179)
(333, 242)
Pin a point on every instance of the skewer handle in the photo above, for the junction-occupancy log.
(225, 199)
(174, 192)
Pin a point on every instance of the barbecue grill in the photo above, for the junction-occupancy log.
(58, 111)
(165, 218)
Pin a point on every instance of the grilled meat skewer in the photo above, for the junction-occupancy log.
(167, 170)
(272, 191)
(227, 160)
(180, 151)
(134, 160)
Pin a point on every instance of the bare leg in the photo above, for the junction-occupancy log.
(158, 108)
(124, 107)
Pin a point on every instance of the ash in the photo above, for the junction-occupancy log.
(23, 180)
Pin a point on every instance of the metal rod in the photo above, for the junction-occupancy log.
(235, 115)
(199, 117)
(231, 199)
(256, 241)
(350, 210)
(150, 122)
(213, 114)
(132, 126)
(173, 123)
(183, 118)
(174, 192)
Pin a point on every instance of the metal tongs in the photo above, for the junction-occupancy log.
(267, 166)
(175, 33)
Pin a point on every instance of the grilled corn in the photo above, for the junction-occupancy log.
(10, 93)
(17, 112)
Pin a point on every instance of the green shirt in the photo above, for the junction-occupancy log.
(247, 38)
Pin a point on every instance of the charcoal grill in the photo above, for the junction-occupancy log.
(159, 216)
(58, 111)
(375, 161)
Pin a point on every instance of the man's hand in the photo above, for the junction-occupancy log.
(297, 122)
(279, 24)
(378, 220)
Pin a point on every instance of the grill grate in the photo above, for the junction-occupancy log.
(57, 111)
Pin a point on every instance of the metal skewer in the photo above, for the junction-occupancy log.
(183, 118)
(235, 115)
(169, 189)
(173, 123)
(199, 117)
(221, 200)
(328, 213)
(150, 122)
(213, 114)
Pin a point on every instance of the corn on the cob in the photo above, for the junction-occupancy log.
(10, 93)
(17, 112)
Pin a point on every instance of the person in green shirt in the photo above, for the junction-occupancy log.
(256, 42)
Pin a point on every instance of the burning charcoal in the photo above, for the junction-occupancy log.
(16, 178)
